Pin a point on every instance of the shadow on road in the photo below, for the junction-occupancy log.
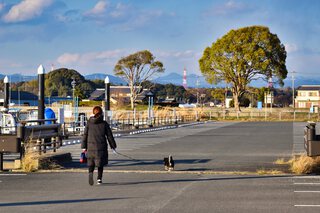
(140, 162)
(201, 179)
(48, 202)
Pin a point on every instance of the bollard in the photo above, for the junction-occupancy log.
(1, 161)
(311, 133)
(54, 145)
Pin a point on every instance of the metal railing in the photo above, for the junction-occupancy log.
(77, 128)
(262, 115)
(40, 138)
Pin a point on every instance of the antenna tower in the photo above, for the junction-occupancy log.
(184, 82)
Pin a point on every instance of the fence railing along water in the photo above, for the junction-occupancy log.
(132, 119)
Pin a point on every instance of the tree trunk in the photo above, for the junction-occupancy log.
(132, 102)
(236, 102)
(131, 96)
(236, 99)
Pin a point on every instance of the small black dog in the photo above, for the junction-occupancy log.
(168, 163)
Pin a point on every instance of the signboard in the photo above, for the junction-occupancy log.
(268, 98)
(259, 105)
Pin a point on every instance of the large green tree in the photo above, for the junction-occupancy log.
(58, 83)
(137, 68)
(219, 94)
(244, 55)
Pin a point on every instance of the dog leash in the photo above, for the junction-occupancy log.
(126, 156)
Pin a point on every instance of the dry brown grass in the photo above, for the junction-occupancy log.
(305, 165)
(281, 161)
(268, 172)
(162, 112)
(30, 161)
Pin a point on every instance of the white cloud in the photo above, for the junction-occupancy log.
(98, 10)
(26, 10)
(68, 58)
(124, 17)
(119, 11)
(104, 57)
(9, 64)
(1, 6)
(100, 60)
(290, 48)
(187, 54)
(230, 7)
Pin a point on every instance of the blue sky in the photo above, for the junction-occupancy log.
(92, 35)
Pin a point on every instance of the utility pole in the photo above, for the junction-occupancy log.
(197, 85)
(293, 103)
(73, 84)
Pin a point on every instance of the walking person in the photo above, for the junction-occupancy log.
(94, 141)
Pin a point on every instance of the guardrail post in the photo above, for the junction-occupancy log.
(44, 143)
(54, 145)
(38, 143)
(1, 161)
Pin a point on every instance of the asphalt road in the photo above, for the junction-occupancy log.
(141, 186)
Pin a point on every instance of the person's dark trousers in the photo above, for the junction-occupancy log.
(100, 171)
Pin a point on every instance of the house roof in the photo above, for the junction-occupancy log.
(309, 87)
(99, 93)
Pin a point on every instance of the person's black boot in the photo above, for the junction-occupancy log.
(91, 178)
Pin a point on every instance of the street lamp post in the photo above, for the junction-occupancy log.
(73, 84)
(150, 106)
(107, 99)
(41, 72)
(293, 102)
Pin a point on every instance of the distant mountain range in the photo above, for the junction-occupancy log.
(193, 80)
(175, 78)
(18, 77)
(101, 76)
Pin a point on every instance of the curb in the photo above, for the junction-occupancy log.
(135, 132)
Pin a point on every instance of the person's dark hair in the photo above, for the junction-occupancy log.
(97, 111)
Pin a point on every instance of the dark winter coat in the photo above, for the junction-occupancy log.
(94, 140)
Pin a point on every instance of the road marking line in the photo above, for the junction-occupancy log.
(306, 183)
(307, 191)
(306, 177)
(12, 174)
(307, 205)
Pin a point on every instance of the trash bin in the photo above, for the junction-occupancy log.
(311, 140)
(49, 114)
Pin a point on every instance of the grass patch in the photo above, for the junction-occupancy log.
(47, 163)
(305, 165)
(281, 161)
(268, 172)
(30, 161)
